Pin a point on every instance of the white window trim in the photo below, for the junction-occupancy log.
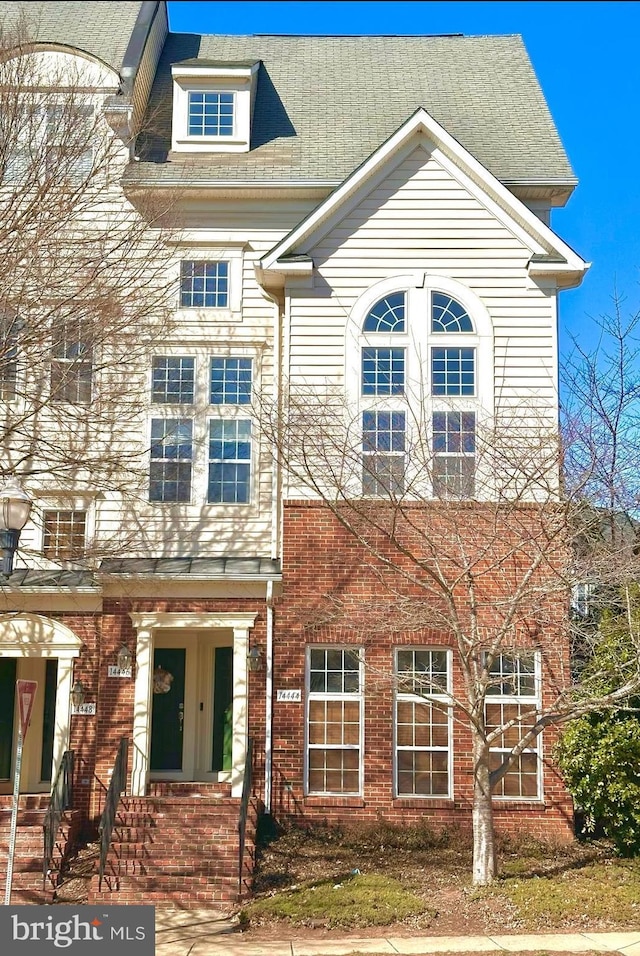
(77, 502)
(234, 256)
(334, 696)
(239, 80)
(530, 701)
(201, 412)
(418, 401)
(416, 697)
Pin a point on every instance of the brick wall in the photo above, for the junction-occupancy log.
(338, 590)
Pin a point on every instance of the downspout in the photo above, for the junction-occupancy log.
(275, 546)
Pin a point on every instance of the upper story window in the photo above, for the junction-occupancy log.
(71, 361)
(447, 315)
(173, 379)
(425, 374)
(210, 113)
(8, 358)
(204, 284)
(230, 381)
(64, 534)
(171, 459)
(213, 105)
(387, 315)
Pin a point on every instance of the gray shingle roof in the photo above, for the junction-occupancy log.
(324, 104)
(100, 29)
(244, 567)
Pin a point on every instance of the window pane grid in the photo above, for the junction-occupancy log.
(229, 462)
(383, 371)
(447, 315)
(514, 699)
(204, 285)
(71, 362)
(210, 114)
(383, 445)
(173, 379)
(453, 371)
(64, 534)
(387, 315)
(334, 721)
(230, 381)
(422, 726)
(171, 459)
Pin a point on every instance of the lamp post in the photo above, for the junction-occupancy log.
(15, 507)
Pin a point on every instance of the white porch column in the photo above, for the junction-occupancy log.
(62, 716)
(142, 712)
(240, 709)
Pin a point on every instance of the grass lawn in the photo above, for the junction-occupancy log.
(418, 882)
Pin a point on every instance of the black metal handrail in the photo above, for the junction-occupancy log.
(117, 786)
(244, 810)
(61, 799)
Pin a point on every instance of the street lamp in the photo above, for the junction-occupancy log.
(15, 506)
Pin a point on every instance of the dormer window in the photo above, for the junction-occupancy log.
(211, 114)
(213, 105)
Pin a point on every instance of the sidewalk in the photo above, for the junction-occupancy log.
(207, 933)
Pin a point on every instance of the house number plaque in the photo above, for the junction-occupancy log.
(290, 695)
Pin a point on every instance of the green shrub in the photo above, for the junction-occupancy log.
(600, 759)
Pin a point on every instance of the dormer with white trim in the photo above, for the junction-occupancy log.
(213, 105)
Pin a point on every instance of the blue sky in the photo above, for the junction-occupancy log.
(586, 58)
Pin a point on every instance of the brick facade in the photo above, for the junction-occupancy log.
(329, 585)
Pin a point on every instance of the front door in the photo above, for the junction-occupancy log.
(192, 706)
(167, 715)
(37, 754)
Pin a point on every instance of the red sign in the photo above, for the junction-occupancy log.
(26, 690)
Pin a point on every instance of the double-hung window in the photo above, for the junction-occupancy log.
(334, 720)
(204, 284)
(512, 701)
(454, 447)
(229, 461)
(422, 723)
(71, 361)
(383, 452)
(8, 357)
(171, 459)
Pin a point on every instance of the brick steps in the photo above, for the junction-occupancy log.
(27, 879)
(176, 846)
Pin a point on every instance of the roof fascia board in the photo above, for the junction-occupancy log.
(464, 162)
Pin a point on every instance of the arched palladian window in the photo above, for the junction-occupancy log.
(425, 369)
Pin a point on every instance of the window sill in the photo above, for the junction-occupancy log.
(423, 803)
(329, 801)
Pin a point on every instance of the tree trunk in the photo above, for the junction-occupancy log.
(484, 850)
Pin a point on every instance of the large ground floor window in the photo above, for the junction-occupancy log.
(334, 720)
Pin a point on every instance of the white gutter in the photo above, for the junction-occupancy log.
(275, 550)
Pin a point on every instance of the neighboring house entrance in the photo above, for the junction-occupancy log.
(42, 650)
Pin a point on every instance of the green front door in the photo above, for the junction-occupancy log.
(7, 706)
(167, 715)
(222, 709)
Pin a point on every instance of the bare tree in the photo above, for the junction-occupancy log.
(87, 289)
(477, 553)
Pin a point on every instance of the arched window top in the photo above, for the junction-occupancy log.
(447, 315)
(387, 315)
